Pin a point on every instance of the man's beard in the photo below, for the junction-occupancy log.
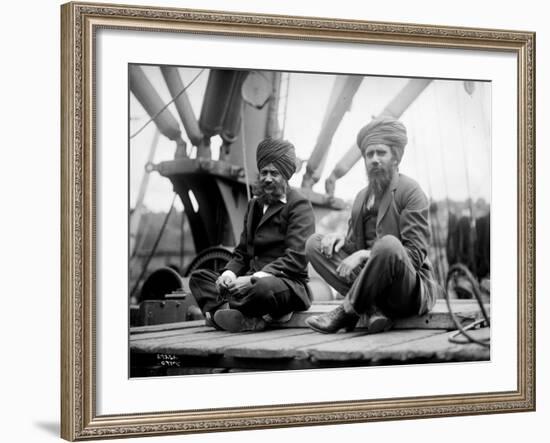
(380, 178)
(269, 193)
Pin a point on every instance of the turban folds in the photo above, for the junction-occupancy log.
(279, 152)
(384, 130)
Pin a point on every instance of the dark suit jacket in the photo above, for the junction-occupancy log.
(277, 245)
(403, 213)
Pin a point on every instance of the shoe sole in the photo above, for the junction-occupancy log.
(231, 320)
(209, 321)
(379, 325)
(323, 331)
(315, 328)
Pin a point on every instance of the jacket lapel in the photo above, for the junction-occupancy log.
(271, 211)
(358, 203)
(249, 222)
(250, 218)
(387, 198)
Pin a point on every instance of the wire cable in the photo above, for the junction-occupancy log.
(167, 104)
(154, 249)
(433, 229)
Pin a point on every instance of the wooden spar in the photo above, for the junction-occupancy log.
(342, 94)
(273, 130)
(257, 123)
(149, 98)
(395, 108)
(183, 105)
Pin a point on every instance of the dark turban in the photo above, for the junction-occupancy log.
(279, 152)
(384, 130)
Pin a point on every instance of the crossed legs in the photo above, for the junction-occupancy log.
(267, 296)
(387, 283)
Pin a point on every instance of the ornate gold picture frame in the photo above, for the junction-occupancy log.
(81, 23)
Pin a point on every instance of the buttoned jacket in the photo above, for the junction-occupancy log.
(277, 244)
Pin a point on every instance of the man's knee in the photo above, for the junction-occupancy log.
(313, 246)
(194, 279)
(388, 246)
(200, 276)
(266, 285)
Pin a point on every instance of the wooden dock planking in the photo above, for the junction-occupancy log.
(165, 327)
(167, 341)
(295, 346)
(211, 343)
(364, 347)
(285, 347)
(231, 339)
(301, 348)
(438, 348)
(438, 318)
(171, 333)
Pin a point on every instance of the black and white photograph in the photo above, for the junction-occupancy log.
(303, 220)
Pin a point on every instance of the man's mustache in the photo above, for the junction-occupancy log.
(377, 170)
(268, 186)
(270, 191)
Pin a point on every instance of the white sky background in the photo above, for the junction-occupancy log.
(449, 149)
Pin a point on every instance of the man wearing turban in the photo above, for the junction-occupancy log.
(266, 278)
(381, 265)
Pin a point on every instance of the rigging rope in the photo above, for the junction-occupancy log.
(485, 122)
(182, 239)
(465, 157)
(470, 200)
(441, 151)
(286, 105)
(154, 249)
(459, 267)
(443, 162)
(167, 104)
(243, 146)
(434, 232)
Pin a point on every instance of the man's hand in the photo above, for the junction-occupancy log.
(331, 243)
(225, 280)
(240, 285)
(352, 262)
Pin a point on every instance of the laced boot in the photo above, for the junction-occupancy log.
(333, 321)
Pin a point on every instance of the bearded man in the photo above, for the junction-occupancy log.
(266, 278)
(381, 264)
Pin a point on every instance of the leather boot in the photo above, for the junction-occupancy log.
(333, 321)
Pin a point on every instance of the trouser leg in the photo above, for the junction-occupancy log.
(203, 287)
(326, 267)
(388, 282)
(268, 295)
